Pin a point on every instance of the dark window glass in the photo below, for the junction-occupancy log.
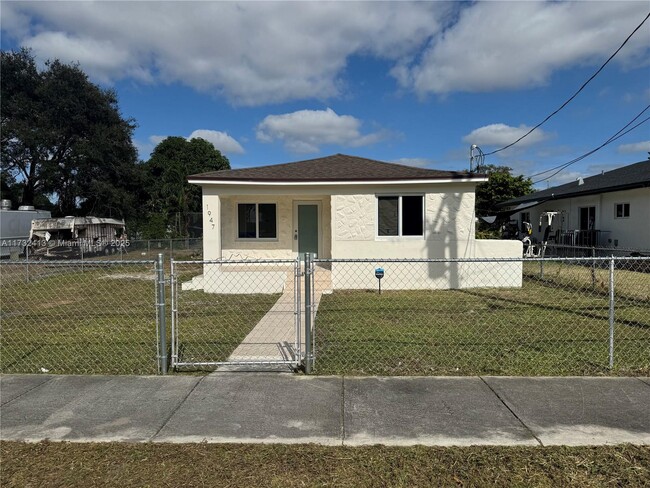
(247, 217)
(412, 220)
(387, 216)
(622, 210)
(267, 220)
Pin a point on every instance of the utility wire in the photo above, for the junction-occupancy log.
(613, 138)
(576, 93)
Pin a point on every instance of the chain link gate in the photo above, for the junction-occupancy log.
(236, 314)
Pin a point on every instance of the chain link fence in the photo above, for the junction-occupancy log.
(17, 250)
(553, 316)
(464, 317)
(236, 314)
(78, 317)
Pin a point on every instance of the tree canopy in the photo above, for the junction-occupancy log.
(64, 138)
(171, 197)
(500, 187)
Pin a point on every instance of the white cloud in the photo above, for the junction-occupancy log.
(220, 140)
(305, 131)
(251, 52)
(502, 134)
(254, 53)
(514, 45)
(635, 147)
(155, 140)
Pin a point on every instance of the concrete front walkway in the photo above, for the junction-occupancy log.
(274, 338)
(285, 408)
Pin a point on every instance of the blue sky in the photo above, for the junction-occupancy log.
(416, 83)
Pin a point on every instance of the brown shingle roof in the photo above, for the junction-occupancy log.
(338, 167)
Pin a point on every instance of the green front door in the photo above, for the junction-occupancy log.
(307, 229)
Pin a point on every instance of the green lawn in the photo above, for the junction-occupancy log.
(547, 327)
(211, 325)
(229, 465)
(63, 320)
(103, 320)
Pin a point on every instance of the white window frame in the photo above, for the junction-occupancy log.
(629, 208)
(257, 223)
(399, 235)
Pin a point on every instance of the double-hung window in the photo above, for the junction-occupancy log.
(257, 221)
(400, 215)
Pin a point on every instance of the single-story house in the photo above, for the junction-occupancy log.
(351, 207)
(607, 210)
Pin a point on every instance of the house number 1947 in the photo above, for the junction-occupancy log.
(209, 212)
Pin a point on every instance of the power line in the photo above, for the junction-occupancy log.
(620, 133)
(576, 93)
(611, 139)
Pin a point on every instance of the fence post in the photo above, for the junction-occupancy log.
(593, 266)
(308, 305)
(162, 314)
(611, 313)
(27, 261)
(297, 306)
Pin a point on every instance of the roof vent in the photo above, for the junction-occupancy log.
(5, 204)
(581, 181)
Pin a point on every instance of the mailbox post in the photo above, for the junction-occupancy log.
(379, 274)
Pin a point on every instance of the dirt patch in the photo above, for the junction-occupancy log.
(130, 276)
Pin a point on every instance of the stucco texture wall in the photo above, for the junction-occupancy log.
(448, 232)
(284, 246)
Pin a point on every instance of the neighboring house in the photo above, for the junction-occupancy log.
(609, 210)
(348, 207)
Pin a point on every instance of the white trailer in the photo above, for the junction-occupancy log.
(15, 226)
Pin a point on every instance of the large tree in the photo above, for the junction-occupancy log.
(172, 199)
(64, 137)
(501, 186)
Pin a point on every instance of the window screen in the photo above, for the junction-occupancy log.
(387, 216)
(400, 215)
(247, 220)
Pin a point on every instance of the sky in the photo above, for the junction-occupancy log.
(413, 83)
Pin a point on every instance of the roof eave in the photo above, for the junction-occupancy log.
(409, 181)
(595, 191)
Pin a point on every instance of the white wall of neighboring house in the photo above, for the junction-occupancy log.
(348, 229)
(629, 233)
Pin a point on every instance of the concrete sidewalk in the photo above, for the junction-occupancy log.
(284, 408)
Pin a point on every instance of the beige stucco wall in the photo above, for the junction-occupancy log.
(284, 247)
(348, 230)
(622, 233)
(449, 233)
(449, 225)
